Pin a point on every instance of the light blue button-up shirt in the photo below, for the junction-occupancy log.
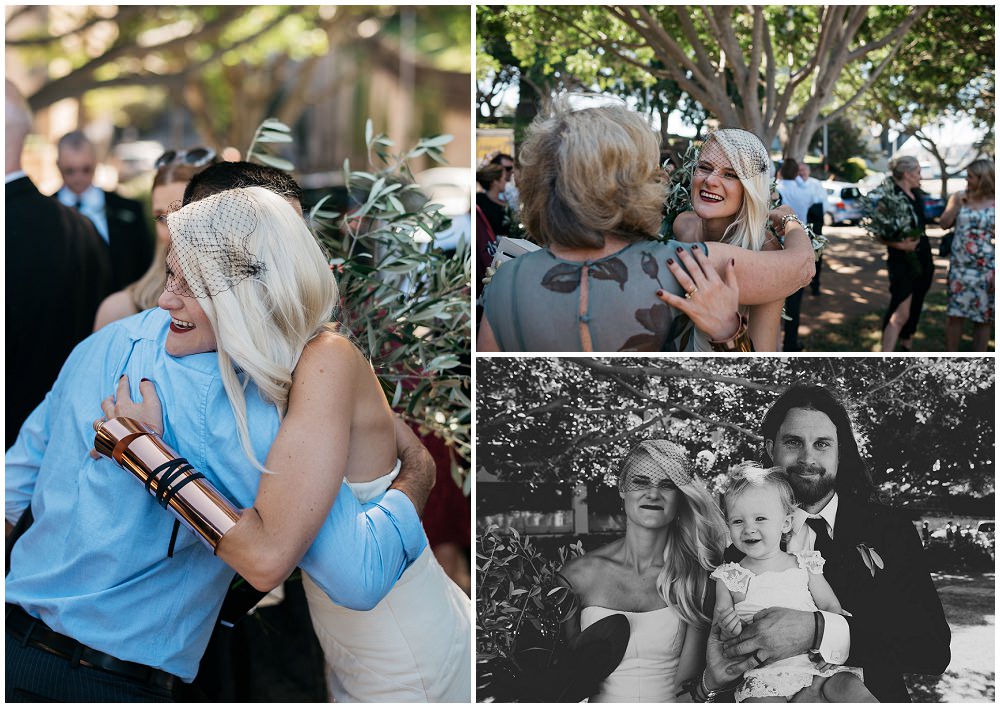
(92, 205)
(94, 564)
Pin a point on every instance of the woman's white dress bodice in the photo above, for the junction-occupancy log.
(413, 647)
(647, 672)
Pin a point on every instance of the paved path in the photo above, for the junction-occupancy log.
(854, 280)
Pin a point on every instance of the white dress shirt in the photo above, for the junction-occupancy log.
(91, 204)
(836, 644)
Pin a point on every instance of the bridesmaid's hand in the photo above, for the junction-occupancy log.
(148, 410)
(712, 303)
(722, 672)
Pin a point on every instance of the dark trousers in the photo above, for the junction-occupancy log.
(35, 676)
(815, 219)
(793, 306)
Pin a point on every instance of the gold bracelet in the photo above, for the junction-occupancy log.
(739, 342)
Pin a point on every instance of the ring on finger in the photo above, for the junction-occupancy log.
(755, 656)
(691, 292)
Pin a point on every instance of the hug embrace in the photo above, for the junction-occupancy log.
(823, 595)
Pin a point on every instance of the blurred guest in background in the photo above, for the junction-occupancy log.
(973, 257)
(173, 172)
(57, 273)
(119, 221)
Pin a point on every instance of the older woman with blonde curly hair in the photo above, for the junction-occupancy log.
(592, 196)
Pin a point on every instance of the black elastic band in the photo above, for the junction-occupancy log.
(169, 494)
(169, 464)
(173, 538)
(166, 480)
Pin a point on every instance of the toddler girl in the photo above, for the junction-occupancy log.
(758, 507)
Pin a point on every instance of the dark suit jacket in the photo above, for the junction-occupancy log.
(898, 625)
(129, 238)
(58, 272)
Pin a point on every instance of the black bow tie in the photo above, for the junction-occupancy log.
(823, 540)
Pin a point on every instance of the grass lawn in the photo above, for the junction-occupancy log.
(864, 333)
(969, 605)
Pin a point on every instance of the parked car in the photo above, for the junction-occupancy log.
(933, 207)
(842, 203)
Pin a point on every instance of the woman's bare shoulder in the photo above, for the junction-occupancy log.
(687, 227)
(329, 352)
(114, 307)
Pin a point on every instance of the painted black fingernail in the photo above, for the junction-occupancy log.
(733, 261)
(679, 249)
(659, 292)
(141, 380)
(121, 377)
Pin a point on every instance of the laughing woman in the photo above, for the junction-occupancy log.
(592, 195)
(730, 195)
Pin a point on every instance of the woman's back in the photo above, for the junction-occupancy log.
(539, 302)
(333, 379)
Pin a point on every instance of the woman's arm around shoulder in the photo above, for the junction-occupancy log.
(308, 459)
(766, 276)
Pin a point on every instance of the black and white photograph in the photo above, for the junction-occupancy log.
(766, 528)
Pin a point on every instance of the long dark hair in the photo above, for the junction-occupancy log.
(853, 476)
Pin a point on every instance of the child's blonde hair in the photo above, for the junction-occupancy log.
(751, 475)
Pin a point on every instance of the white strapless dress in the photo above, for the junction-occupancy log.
(415, 646)
(647, 672)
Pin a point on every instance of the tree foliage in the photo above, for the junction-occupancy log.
(231, 65)
(755, 67)
(926, 425)
(945, 72)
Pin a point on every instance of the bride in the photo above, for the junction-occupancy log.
(657, 576)
(730, 197)
(269, 325)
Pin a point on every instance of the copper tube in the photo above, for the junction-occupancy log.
(138, 449)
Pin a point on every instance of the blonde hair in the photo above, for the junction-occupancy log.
(263, 323)
(745, 151)
(984, 170)
(751, 475)
(694, 549)
(590, 172)
(146, 291)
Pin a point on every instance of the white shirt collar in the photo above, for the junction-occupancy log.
(92, 198)
(828, 514)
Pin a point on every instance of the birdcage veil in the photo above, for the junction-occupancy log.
(209, 251)
(744, 150)
(651, 462)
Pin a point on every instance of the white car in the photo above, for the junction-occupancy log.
(842, 203)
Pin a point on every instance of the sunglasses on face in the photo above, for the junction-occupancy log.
(196, 157)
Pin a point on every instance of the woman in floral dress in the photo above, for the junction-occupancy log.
(971, 275)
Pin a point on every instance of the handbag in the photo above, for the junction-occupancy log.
(944, 250)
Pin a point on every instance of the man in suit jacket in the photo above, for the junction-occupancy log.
(874, 556)
(57, 274)
(120, 221)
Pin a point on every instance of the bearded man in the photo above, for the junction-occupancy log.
(874, 558)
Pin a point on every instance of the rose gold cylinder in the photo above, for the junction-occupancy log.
(140, 450)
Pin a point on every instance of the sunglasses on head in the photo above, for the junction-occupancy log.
(196, 157)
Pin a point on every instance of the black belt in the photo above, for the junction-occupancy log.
(33, 632)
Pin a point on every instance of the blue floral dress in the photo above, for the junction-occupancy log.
(972, 258)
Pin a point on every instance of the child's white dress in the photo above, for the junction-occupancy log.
(786, 588)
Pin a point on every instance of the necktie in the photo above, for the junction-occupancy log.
(823, 540)
(79, 204)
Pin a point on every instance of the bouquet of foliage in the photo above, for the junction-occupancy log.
(888, 215)
(405, 302)
(520, 608)
(679, 199)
